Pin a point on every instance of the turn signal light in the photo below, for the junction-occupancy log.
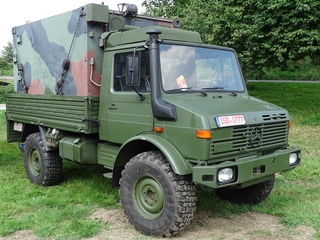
(289, 123)
(158, 129)
(206, 134)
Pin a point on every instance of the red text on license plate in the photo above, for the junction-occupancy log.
(234, 120)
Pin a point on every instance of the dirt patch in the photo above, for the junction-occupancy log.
(204, 226)
(23, 234)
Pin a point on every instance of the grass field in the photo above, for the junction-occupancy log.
(62, 211)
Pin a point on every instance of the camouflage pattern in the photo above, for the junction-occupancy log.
(42, 46)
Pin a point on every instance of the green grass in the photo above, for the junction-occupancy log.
(300, 99)
(62, 211)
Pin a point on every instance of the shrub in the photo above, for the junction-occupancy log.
(6, 68)
(3, 64)
(5, 90)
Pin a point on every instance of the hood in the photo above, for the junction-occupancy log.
(214, 105)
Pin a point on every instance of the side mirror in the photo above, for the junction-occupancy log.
(133, 71)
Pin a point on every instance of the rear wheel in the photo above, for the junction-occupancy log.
(42, 167)
(156, 200)
(250, 195)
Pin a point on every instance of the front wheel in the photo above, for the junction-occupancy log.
(42, 167)
(250, 195)
(156, 200)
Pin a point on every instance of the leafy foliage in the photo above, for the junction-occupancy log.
(266, 33)
(298, 70)
(5, 90)
(166, 8)
(3, 64)
(7, 53)
(6, 68)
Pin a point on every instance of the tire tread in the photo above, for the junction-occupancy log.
(52, 163)
(184, 194)
(251, 195)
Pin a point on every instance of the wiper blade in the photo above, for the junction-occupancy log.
(214, 88)
(187, 88)
(221, 88)
(179, 89)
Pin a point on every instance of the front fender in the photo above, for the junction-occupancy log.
(178, 163)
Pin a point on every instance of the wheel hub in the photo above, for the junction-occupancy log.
(148, 197)
(35, 162)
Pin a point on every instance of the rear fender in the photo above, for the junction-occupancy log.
(30, 128)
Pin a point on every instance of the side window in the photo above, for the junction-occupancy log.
(120, 72)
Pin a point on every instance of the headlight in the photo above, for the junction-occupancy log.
(225, 175)
(293, 159)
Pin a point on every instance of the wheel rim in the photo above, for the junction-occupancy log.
(34, 162)
(148, 197)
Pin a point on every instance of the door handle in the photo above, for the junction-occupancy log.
(112, 107)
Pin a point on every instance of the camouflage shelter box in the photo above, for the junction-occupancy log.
(61, 54)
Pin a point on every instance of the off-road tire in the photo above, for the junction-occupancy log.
(156, 200)
(250, 195)
(42, 167)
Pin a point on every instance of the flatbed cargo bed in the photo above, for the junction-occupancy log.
(54, 111)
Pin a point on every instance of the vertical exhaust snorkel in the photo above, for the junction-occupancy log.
(161, 110)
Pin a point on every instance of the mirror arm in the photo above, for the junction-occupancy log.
(141, 97)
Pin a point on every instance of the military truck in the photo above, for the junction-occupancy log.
(159, 109)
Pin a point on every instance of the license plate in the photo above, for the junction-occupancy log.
(234, 120)
(17, 126)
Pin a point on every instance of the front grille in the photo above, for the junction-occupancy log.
(269, 117)
(239, 139)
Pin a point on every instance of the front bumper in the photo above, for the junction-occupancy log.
(248, 170)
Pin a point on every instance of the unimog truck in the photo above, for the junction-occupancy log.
(159, 109)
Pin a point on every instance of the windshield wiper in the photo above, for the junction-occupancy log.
(186, 88)
(220, 88)
(214, 88)
(179, 89)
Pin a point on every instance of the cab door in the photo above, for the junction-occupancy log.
(127, 114)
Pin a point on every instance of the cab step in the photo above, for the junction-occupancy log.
(108, 175)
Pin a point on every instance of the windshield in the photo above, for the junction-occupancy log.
(194, 68)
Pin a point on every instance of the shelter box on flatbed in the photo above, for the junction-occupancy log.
(40, 49)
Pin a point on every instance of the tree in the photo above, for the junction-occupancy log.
(165, 8)
(266, 33)
(7, 52)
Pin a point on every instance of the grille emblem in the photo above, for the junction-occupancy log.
(255, 137)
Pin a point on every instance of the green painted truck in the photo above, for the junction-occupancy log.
(159, 109)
